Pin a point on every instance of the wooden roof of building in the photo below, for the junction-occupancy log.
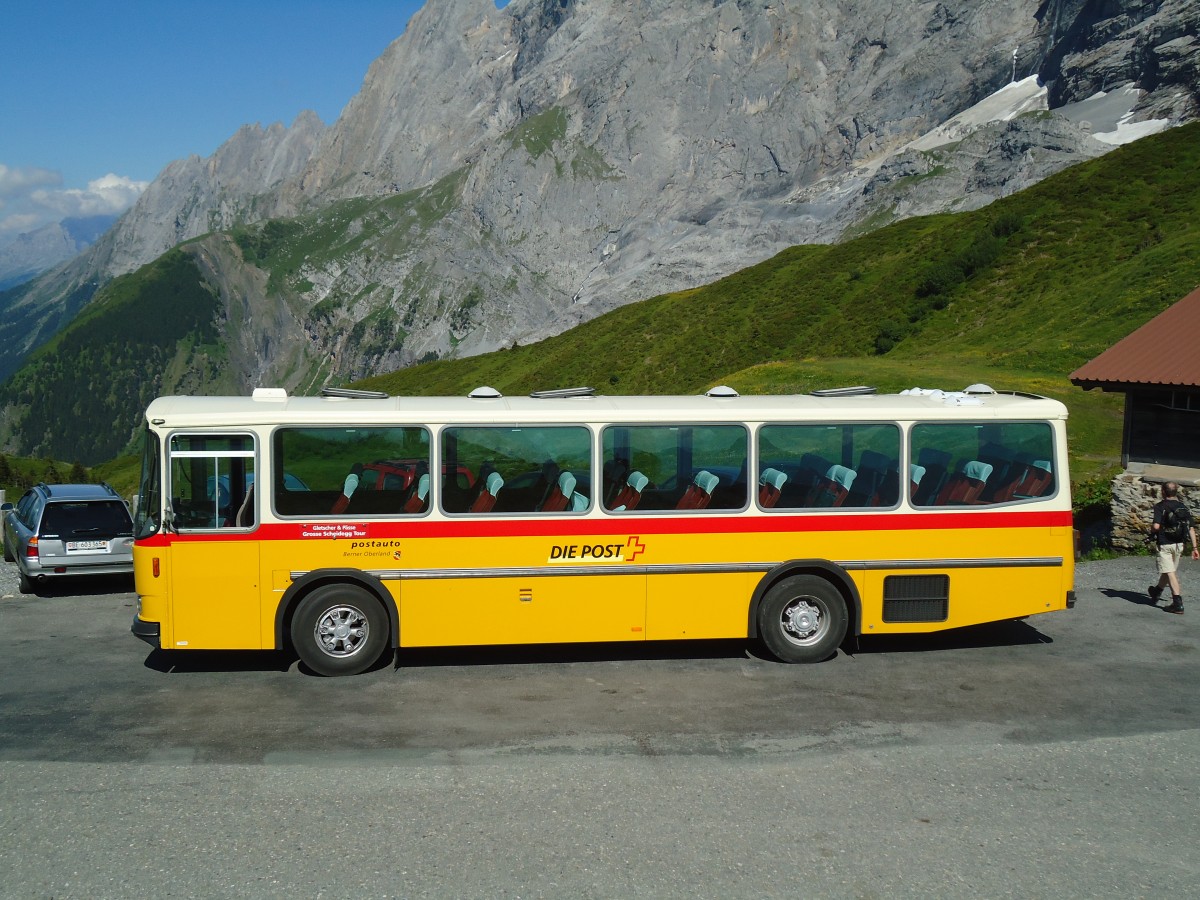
(1165, 352)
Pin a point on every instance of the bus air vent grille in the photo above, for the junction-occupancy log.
(858, 390)
(560, 393)
(916, 598)
(337, 393)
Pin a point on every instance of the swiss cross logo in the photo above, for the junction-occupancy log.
(635, 548)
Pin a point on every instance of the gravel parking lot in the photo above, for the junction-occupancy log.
(1052, 757)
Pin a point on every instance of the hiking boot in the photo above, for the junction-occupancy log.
(1175, 607)
(1155, 592)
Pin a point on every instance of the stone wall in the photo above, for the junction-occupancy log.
(1133, 499)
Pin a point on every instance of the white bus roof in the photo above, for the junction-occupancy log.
(275, 407)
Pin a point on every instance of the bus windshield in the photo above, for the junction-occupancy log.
(146, 520)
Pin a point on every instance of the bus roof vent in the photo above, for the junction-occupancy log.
(564, 392)
(485, 393)
(721, 390)
(859, 390)
(978, 389)
(269, 394)
(352, 394)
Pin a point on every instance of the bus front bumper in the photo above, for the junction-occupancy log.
(147, 631)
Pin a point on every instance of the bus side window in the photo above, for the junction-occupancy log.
(982, 464)
(212, 476)
(829, 465)
(529, 469)
(355, 471)
(686, 467)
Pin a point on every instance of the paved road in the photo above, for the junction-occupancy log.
(1057, 756)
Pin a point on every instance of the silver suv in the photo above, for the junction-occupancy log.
(59, 530)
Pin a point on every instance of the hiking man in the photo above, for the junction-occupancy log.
(1172, 527)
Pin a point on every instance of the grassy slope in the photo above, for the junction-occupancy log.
(1018, 295)
(79, 396)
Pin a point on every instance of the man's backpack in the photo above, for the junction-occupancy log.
(1176, 520)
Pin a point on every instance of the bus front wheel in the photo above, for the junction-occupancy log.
(339, 629)
(803, 619)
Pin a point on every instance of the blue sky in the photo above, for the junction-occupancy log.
(97, 98)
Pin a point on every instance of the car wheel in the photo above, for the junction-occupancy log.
(24, 585)
(803, 619)
(339, 629)
(8, 557)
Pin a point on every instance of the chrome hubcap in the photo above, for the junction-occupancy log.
(801, 621)
(341, 631)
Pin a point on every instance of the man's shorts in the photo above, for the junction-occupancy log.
(1168, 558)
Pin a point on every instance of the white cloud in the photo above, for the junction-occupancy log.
(19, 182)
(108, 195)
(31, 197)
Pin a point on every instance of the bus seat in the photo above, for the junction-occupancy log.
(245, 513)
(349, 486)
(834, 487)
(578, 503)
(965, 486)
(615, 471)
(416, 500)
(1006, 468)
(487, 495)
(548, 482)
(699, 492)
(868, 485)
(812, 469)
(1036, 481)
(888, 491)
(631, 493)
(1000, 490)
(937, 469)
(770, 485)
(560, 494)
(915, 474)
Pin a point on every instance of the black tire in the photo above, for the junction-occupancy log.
(8, 557)
(339, 629)
(803, 619)
(24, 585)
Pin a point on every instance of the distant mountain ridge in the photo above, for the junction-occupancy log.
(505, 174)
(33, 252)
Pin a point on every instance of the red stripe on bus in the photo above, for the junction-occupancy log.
(349, 529)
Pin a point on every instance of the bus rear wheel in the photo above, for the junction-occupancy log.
(803, 619)
(339, 629)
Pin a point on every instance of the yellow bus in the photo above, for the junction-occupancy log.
(354, 524)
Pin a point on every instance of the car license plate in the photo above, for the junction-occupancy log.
(75, 546)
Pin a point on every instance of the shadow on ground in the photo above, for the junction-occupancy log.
(996, 634)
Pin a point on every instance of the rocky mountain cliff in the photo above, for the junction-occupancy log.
(505, 174)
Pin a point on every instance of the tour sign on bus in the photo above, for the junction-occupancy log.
(352, 526)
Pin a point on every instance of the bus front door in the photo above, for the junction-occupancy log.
(215, 596)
